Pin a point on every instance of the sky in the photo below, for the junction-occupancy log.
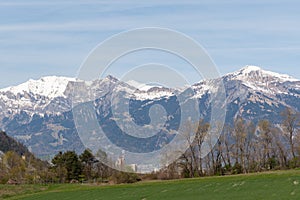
(42, 38)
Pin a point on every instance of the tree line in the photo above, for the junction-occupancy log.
(242, 148)
(65, 167)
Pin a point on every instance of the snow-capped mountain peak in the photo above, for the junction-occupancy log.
(257, 74)
(49, 86)
(259, 80)
(142, 86)
(250, 68)
(35, 97)
(39, 112)
(53, 94)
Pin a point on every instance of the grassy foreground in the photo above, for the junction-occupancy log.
(274, 185)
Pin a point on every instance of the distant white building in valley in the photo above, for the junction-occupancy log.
(133, 167)
(1, 155)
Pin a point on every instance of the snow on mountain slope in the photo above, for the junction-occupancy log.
(140, 86)
(256, 72)
(42, 96)
(251, 92)
(203, 87)
(264, 81)
(53, 94)
(49, 86)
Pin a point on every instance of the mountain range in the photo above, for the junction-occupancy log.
(39, 114)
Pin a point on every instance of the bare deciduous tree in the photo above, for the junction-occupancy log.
(290, 123)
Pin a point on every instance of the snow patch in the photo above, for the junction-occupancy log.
(49, 86)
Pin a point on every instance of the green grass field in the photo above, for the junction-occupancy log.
(275, 185)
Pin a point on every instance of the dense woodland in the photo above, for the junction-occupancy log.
(242, 148)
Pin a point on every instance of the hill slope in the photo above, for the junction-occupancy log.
(9, 144)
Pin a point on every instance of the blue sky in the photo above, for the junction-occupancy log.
(39, 38)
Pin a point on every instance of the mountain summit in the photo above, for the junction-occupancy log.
(39, 112)
(49, 86)
(258, 74)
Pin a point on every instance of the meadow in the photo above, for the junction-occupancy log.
(272, 185)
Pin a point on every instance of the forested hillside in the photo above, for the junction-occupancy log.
(9, 144)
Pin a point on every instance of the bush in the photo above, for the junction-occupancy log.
(237, 168)
(123, 177)
(293, 163)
